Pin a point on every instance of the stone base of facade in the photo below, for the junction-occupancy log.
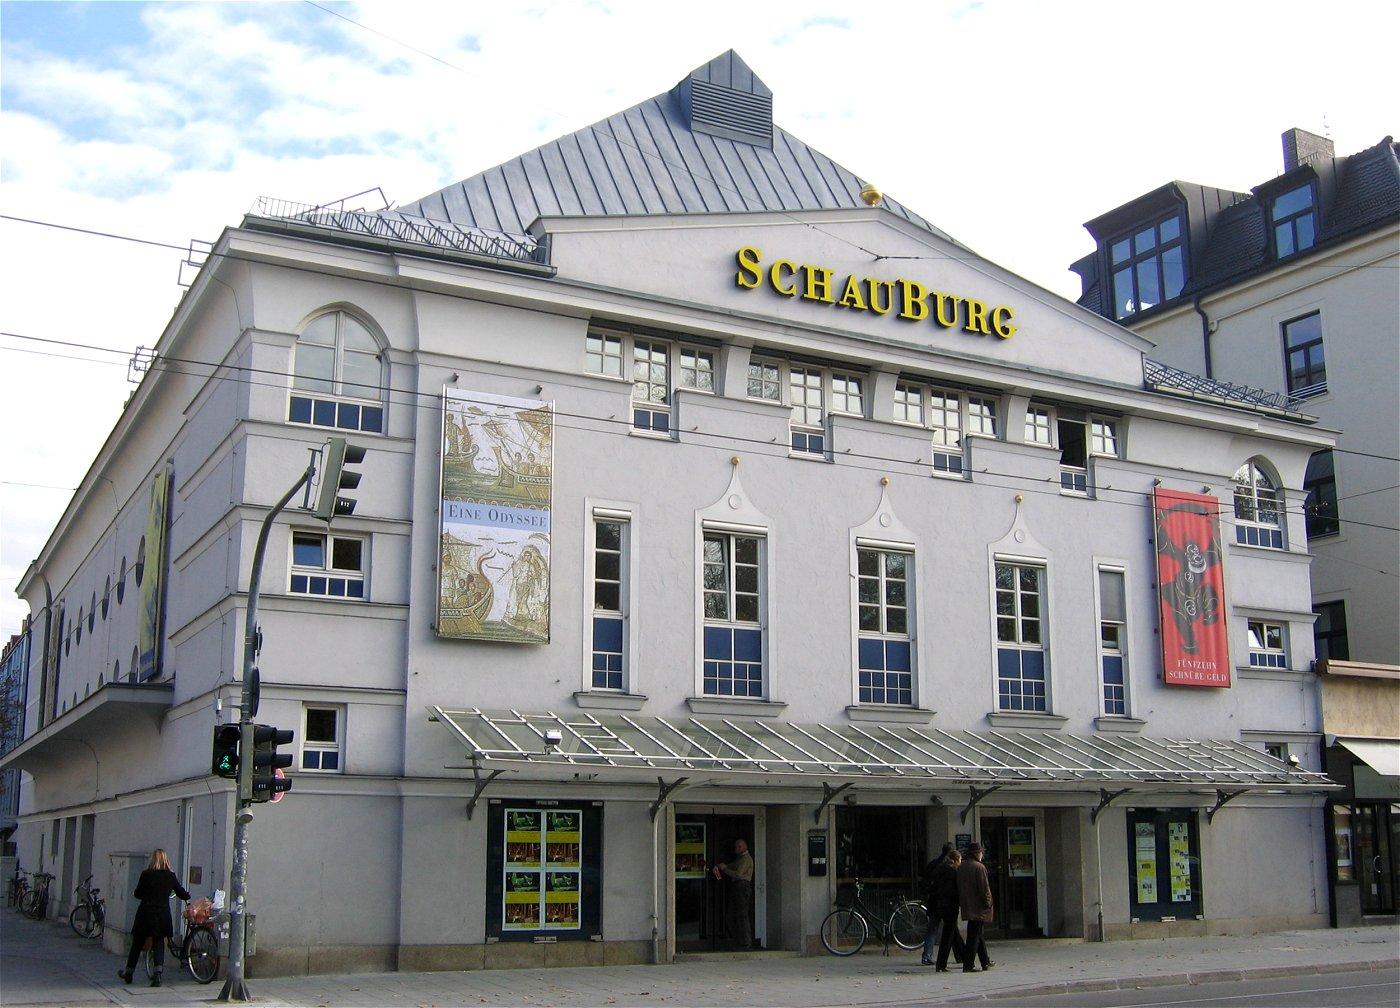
(314, 959)
(1220, 926)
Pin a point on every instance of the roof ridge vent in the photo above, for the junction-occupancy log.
(725, 99)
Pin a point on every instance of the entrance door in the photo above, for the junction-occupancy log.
(1010, 858)
(703, 910)
(1377, 857)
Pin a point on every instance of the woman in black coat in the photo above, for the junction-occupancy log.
(152, 921)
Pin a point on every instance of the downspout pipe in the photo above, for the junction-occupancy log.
(1205, 335)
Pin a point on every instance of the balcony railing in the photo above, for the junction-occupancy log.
(391, 225)
(1164, 377)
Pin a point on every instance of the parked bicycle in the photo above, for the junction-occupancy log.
(36, 901)
(89, 917)
(198, 948)
(19, 887)
(847, 928)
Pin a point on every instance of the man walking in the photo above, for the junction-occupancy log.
(739, 872)
(975, 900)
(941, 897)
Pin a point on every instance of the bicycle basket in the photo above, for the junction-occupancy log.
(199, 911)
(845, 895)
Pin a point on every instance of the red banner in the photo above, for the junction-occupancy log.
(1191, 589)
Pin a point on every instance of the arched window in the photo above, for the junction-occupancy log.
(92, 612)
(78, 628)
(135, 665)
(121, 582)
(1258, 507)
(140, 567)
(337, 375)
(106, 597)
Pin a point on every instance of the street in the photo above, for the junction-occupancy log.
(1332, 990)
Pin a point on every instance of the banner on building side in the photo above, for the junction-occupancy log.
(1191, 589)
(152, 560)
(497, 485)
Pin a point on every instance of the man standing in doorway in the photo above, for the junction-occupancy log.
(975, 900)
(739, 872)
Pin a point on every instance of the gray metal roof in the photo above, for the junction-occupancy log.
(662, 156)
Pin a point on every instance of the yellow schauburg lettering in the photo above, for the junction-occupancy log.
(853, 297)
(776, 278)
(913, 300)
(945, 308)
(818, 284)
(748, 275)
(874, 287)
(976, 317)
(1001, 322)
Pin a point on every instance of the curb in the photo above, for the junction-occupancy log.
(1176, 979)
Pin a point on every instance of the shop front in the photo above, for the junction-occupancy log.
(715, 911)
(1365, 828)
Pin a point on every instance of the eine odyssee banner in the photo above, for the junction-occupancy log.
(497, 489)
(1191, 589)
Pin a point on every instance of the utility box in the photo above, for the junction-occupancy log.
(124, 870)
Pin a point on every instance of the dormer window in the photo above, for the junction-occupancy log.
(1294, 220)
(1148, 267)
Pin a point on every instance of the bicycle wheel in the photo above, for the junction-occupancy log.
(29, 906)
(909, 925)
(148, 959)
(844, 932)
(201, 954)
(81, 920)
(99, 921)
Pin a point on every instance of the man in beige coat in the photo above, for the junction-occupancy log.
(975, 901)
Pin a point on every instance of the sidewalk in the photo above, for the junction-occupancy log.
(43, 964)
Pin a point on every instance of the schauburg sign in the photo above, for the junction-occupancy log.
(909, 299)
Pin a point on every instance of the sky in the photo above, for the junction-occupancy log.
(1006, 124)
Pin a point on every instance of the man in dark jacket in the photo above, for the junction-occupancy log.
(975, 901)
(941, 897)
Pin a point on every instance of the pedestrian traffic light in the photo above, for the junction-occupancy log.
(225, 762)
(267, 761)
(335, 477)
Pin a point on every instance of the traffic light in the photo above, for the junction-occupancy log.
(335, 477)
(267, 761)
(225, 762)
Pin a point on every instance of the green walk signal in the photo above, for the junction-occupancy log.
(225, 760)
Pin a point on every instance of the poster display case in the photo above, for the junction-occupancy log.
(545, 869)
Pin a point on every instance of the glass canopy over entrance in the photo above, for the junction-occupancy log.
(622, 747)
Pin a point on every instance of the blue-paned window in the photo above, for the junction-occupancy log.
(1294, 221)
(1021, 640)
(610, 598)
(651, 386)
(337, 376)
(1148, 267)
(1113, 641)
(1258, 508)
(1306, 363)
(321, 738)
(805, 396)
(884, 621)
(332, 566)
(732, 609)
(1266, 645)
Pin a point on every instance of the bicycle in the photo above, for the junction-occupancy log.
(89, 917)
(198, 950)
(19, 887)
(846, 929)
(36, 901)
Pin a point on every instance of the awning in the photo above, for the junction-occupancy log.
(1381, 755)
(622, 747)
(115, 707)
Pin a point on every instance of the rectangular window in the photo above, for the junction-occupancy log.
(1148, 267)
(1294, 222)
(332, 566)
(909, 404)
(765, 381)
(732, 592)
(1074, 456)
(945, 421)
(846, 394)
(321, 738)
(697, 369)
(651, 386)
(1330, 631)
(1103, 437)
(603, 354)
(610, 597)
(1113, 641)
(1277, 750)
(1021, 641)
(1320, 484)
(1038, 425)
(884, 651)
(1302, 347)
(1266, 648)
(949, 416)
(805, 396)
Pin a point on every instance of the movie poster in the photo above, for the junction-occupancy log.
(1179, 857)
(1145, 862)
(1191, 589)
(690, 850)
(543, 869)
(497, 487)
(1020, 851)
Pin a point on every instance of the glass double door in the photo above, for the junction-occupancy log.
(1012, 871)
(1377, 845)
(708, 914)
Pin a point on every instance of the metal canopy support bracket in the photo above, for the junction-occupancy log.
(480, 787)
(1223, 798)
(663, 790)
(975, 795)
(1106, 798)
(828, 794)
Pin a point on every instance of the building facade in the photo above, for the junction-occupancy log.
(14, 669)
(688, 516)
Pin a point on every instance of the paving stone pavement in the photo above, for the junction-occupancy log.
(45, 964)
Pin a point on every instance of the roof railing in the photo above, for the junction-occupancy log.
(1165, 378)
(392, 225)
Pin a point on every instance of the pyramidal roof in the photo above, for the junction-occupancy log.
(709, 145)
